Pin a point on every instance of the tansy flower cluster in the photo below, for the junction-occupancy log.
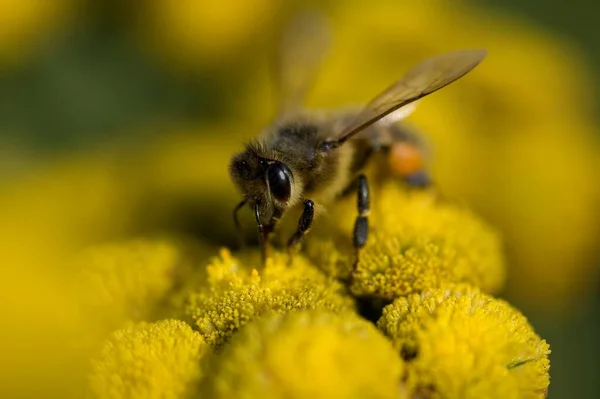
(413, 319)
(467, 344)
(149, 360)
(418, 242)
(234, 295)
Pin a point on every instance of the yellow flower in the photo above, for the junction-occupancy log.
(149, 360)
(417, 241)
(192, 33)
(99, 197)
(237, 293)
(307, 354)
(553, 257)
(23, 24)
(125, 281)
(40, 321)
(461, 343)
(63, 206)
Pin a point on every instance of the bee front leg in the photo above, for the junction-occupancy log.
(361, 226)
(264, 231)
(238, 225)
(304, 224)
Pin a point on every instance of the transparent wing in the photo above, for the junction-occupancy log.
(301, 50)
(426, 78)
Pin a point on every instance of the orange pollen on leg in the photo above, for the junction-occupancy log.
(405, 159)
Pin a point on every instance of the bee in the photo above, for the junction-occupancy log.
(308, 159)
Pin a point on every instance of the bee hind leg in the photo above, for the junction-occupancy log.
(304, 224)
(361, 226)
(419, 179)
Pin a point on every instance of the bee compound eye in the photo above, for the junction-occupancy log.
(278, 177)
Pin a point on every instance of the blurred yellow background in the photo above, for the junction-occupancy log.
(118, 120)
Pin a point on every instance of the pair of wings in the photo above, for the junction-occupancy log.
(303, 46)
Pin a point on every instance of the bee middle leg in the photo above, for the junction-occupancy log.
(304, 224)
(361, 225)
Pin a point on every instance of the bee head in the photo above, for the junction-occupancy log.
(263, 181)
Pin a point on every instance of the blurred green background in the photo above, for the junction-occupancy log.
(92, 76)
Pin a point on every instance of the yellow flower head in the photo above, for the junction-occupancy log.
(190, 33)
(416, 242)
(149, 360)
(461, 343)
(24, 24)
(125, 281)
(237, 293)
(307, 354)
